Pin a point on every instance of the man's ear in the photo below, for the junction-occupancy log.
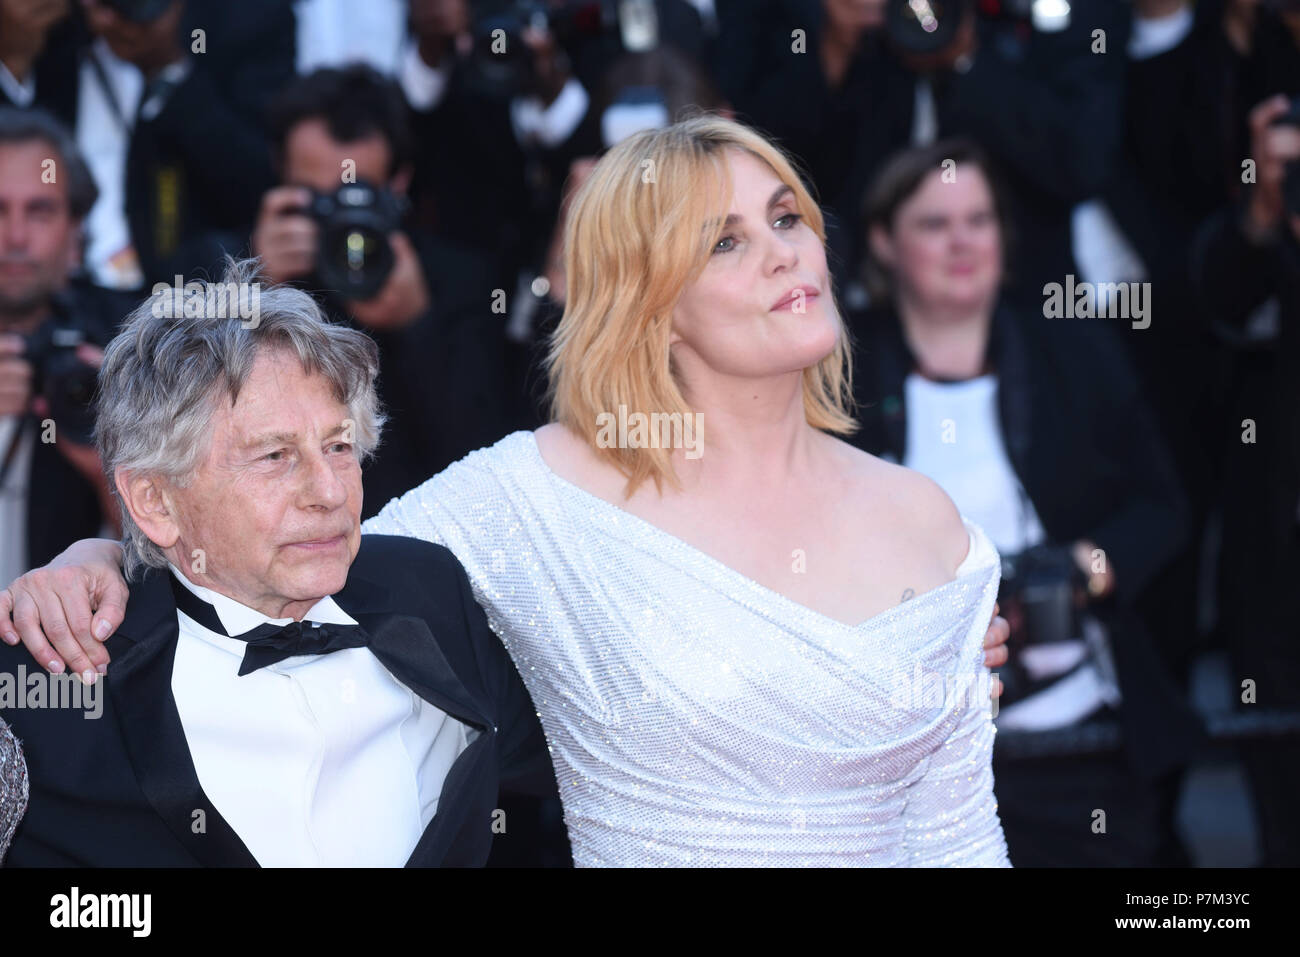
(150, 506)
(400, 181)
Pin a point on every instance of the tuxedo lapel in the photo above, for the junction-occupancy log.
(140, 686)
(408, 649)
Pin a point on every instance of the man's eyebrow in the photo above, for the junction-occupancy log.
(776, 197)
(283, 438)
(269, 438)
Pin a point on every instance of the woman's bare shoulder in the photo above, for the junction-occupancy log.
(916, 503)
(570, 457)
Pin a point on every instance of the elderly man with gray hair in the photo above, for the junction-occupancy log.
(285, 691)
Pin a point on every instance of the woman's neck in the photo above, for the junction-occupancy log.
(950, 344)
(756, 433)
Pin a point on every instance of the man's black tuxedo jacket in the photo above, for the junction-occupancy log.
(121, 790)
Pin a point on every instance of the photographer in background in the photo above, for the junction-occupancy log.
(511, 84)
(343, 151)
(166, 101)
(1244, 255)
(1019, 78)
(1037, 430)
(52, 487)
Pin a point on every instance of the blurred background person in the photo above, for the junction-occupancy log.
(1245, 255)
(337, 226)
(170, 120)
(1038, 431)
(52, 323)
(1173, 169)
(1021, 80)
(518, 90)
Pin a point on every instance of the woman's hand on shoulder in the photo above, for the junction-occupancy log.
(63, 611)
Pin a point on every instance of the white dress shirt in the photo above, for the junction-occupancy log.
(334, 33)
(104, 138)
(318, 760)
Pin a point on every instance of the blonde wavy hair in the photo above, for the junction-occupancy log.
(633, 240)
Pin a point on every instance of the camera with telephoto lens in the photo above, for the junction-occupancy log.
(353, 256)
(929, 27)
(139, 11)
(67, 383)
(1291, 183)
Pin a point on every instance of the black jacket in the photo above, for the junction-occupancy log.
(1087, 452)
(122, 790)
(1261, 451)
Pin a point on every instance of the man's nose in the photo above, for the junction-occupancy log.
(15, 232)
(322, 485)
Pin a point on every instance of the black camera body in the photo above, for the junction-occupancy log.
(354, 257)
(67, 383)
(1042, 580)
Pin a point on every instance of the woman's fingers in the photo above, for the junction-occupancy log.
(43, 625)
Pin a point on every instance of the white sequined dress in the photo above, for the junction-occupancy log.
(696, 717)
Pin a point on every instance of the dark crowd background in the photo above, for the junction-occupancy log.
(388, 157)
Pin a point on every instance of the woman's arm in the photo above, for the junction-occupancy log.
(72, 604)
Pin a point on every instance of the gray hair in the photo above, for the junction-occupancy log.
(23, 126)
(167, 368)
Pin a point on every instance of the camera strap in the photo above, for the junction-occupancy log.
(106, 87)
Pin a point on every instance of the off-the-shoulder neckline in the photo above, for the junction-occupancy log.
(690, 552)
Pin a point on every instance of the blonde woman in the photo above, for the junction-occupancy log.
(734, 644)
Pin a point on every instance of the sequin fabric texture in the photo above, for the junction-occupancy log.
(13, 787)
(696, 717)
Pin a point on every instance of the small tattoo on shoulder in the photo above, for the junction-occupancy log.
(908, 594)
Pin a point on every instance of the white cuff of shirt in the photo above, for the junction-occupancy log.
(549, 126)
(423, 85)
(20, 93)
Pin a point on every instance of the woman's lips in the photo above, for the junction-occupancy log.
(787, 304)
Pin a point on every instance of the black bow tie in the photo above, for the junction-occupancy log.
(268, 643)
